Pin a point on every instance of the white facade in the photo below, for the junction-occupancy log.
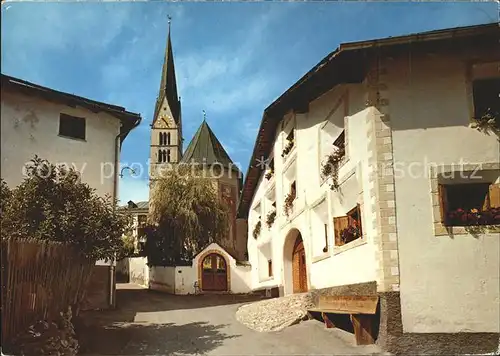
(30, 125)
(316, 203)
(448, 279)
(462, 268)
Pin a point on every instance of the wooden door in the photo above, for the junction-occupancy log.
(299, 267)
(214, 273)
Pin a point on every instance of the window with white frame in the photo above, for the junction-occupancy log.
(290, 188)
(265, 261)
(468, 202)
(348, 227)
(271, 212)
(289, 143)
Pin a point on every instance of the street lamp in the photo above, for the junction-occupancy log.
(132, 171)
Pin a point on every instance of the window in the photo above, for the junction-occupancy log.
(291, 136)
(340, 141)
(486, 97)
(207, 263)
(164, 138)
(164, 156)
(289, 143)
(72, 126)
(270, 170)
(221, 264)
(348, 228)
(270, 268)
(470, 204)
(293, 190)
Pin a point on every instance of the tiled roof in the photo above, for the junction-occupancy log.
(206, 148)
(136, 205)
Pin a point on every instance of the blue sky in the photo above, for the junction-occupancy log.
(232, 59)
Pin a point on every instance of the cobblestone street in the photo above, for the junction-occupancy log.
(146, 323)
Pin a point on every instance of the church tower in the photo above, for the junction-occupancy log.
(166, 128)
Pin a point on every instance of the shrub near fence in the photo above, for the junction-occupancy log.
(39, 280)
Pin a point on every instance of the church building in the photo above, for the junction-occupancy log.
(206, 151)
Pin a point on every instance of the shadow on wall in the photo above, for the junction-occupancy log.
(153, 339)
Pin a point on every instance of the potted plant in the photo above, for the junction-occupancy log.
(270, 218)
(489, 121)
(462, 217)
(288, 203)
(256, 230)
(330, 167)
(351, 233)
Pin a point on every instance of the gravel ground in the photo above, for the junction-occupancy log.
(275, 314)
(151, 323)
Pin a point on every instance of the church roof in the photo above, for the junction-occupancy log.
(168, 84)
(206, 148)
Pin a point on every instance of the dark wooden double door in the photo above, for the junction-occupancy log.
(214, 273)
(299, 267)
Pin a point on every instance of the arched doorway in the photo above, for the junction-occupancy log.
(299, 267)
(214, 273)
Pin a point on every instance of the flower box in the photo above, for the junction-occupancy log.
(461, 217)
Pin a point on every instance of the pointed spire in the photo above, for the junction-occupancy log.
(168, 84)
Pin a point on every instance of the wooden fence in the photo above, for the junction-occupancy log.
(39, 280)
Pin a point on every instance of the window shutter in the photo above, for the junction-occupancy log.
(443, 202)
(360, 220)
(340, 223)
(495, 196)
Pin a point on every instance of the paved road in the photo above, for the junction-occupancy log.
(151, 323)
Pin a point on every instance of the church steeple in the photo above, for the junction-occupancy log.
(168, 83)
(166, 128)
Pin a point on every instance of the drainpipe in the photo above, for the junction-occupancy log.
(112, 299)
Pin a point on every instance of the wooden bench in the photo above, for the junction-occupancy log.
(362, 310)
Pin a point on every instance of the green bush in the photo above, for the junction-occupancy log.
(52, 204)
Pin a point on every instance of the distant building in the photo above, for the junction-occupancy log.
(139, 212)
(65, 128)
(413, 216)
